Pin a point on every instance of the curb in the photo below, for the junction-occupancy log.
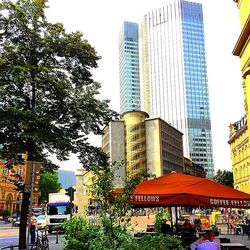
(2, 228)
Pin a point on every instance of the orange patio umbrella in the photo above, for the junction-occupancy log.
(177, 189)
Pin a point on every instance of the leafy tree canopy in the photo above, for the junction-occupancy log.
(48, 98)
(224, 177)
(48, 184)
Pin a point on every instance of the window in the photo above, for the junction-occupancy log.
(4, 171)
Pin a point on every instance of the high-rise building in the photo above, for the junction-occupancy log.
(175, 75)
(143, 145)
(129, 67)
(240, 130)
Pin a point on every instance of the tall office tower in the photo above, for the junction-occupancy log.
(129, 68)
(175, 75)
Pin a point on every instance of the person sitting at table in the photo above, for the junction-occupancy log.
(187, 227)
(204, 235)
(234, 225)
(165, 228)
(208, 242)
(197, 224)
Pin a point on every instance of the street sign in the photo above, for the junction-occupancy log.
(28, 173)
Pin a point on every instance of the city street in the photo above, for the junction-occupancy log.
(9, 236)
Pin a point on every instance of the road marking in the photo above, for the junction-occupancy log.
(8, 237)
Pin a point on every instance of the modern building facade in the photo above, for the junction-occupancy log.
(175, 75)
(240, 131)
(143, 145)
(191, 168)
(129, 67)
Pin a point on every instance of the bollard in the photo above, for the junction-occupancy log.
(11, 247)
(57, 235)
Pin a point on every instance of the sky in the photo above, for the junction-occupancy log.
(100, 22)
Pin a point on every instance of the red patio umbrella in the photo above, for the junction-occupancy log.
(177, 189)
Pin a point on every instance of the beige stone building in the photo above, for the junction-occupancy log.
(84, 196)
(143, 144)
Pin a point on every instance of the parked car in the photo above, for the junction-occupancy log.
(41, 221)
(16, 221)
(37, 211)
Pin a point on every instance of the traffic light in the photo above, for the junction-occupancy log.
(70, 192)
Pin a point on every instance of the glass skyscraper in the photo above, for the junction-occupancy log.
(175, 75)
(129, 67)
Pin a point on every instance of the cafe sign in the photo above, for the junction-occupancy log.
(231, 203)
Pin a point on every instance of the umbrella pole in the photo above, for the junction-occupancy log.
(176, 220)
(171, 216)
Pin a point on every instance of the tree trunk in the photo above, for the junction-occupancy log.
(23, 221)
(26, 196)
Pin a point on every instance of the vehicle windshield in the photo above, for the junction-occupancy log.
(41, 217)
(37, 210)
(58, 209)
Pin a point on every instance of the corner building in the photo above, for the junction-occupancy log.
(240, 131)
(143, 144)
(10, 198)
(175, 75)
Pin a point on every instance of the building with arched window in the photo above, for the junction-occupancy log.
(10, 198)
(240, 157)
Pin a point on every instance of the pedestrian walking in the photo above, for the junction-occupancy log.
(33, 224)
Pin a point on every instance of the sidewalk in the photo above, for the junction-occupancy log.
(237, 239)
(4, 225)
(53, 245)
(52, 237)
(234, 238)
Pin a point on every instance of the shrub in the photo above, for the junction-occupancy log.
(4, 213)
(113, 229)
(160, 242)
(162, 214)
(79, 234)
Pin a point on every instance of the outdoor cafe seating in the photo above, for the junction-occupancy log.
(245, 230)
(233, 246)
(179, 190)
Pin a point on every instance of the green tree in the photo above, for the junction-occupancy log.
(224, 177)
(48, 98)
(48, 184)
(113, 230)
